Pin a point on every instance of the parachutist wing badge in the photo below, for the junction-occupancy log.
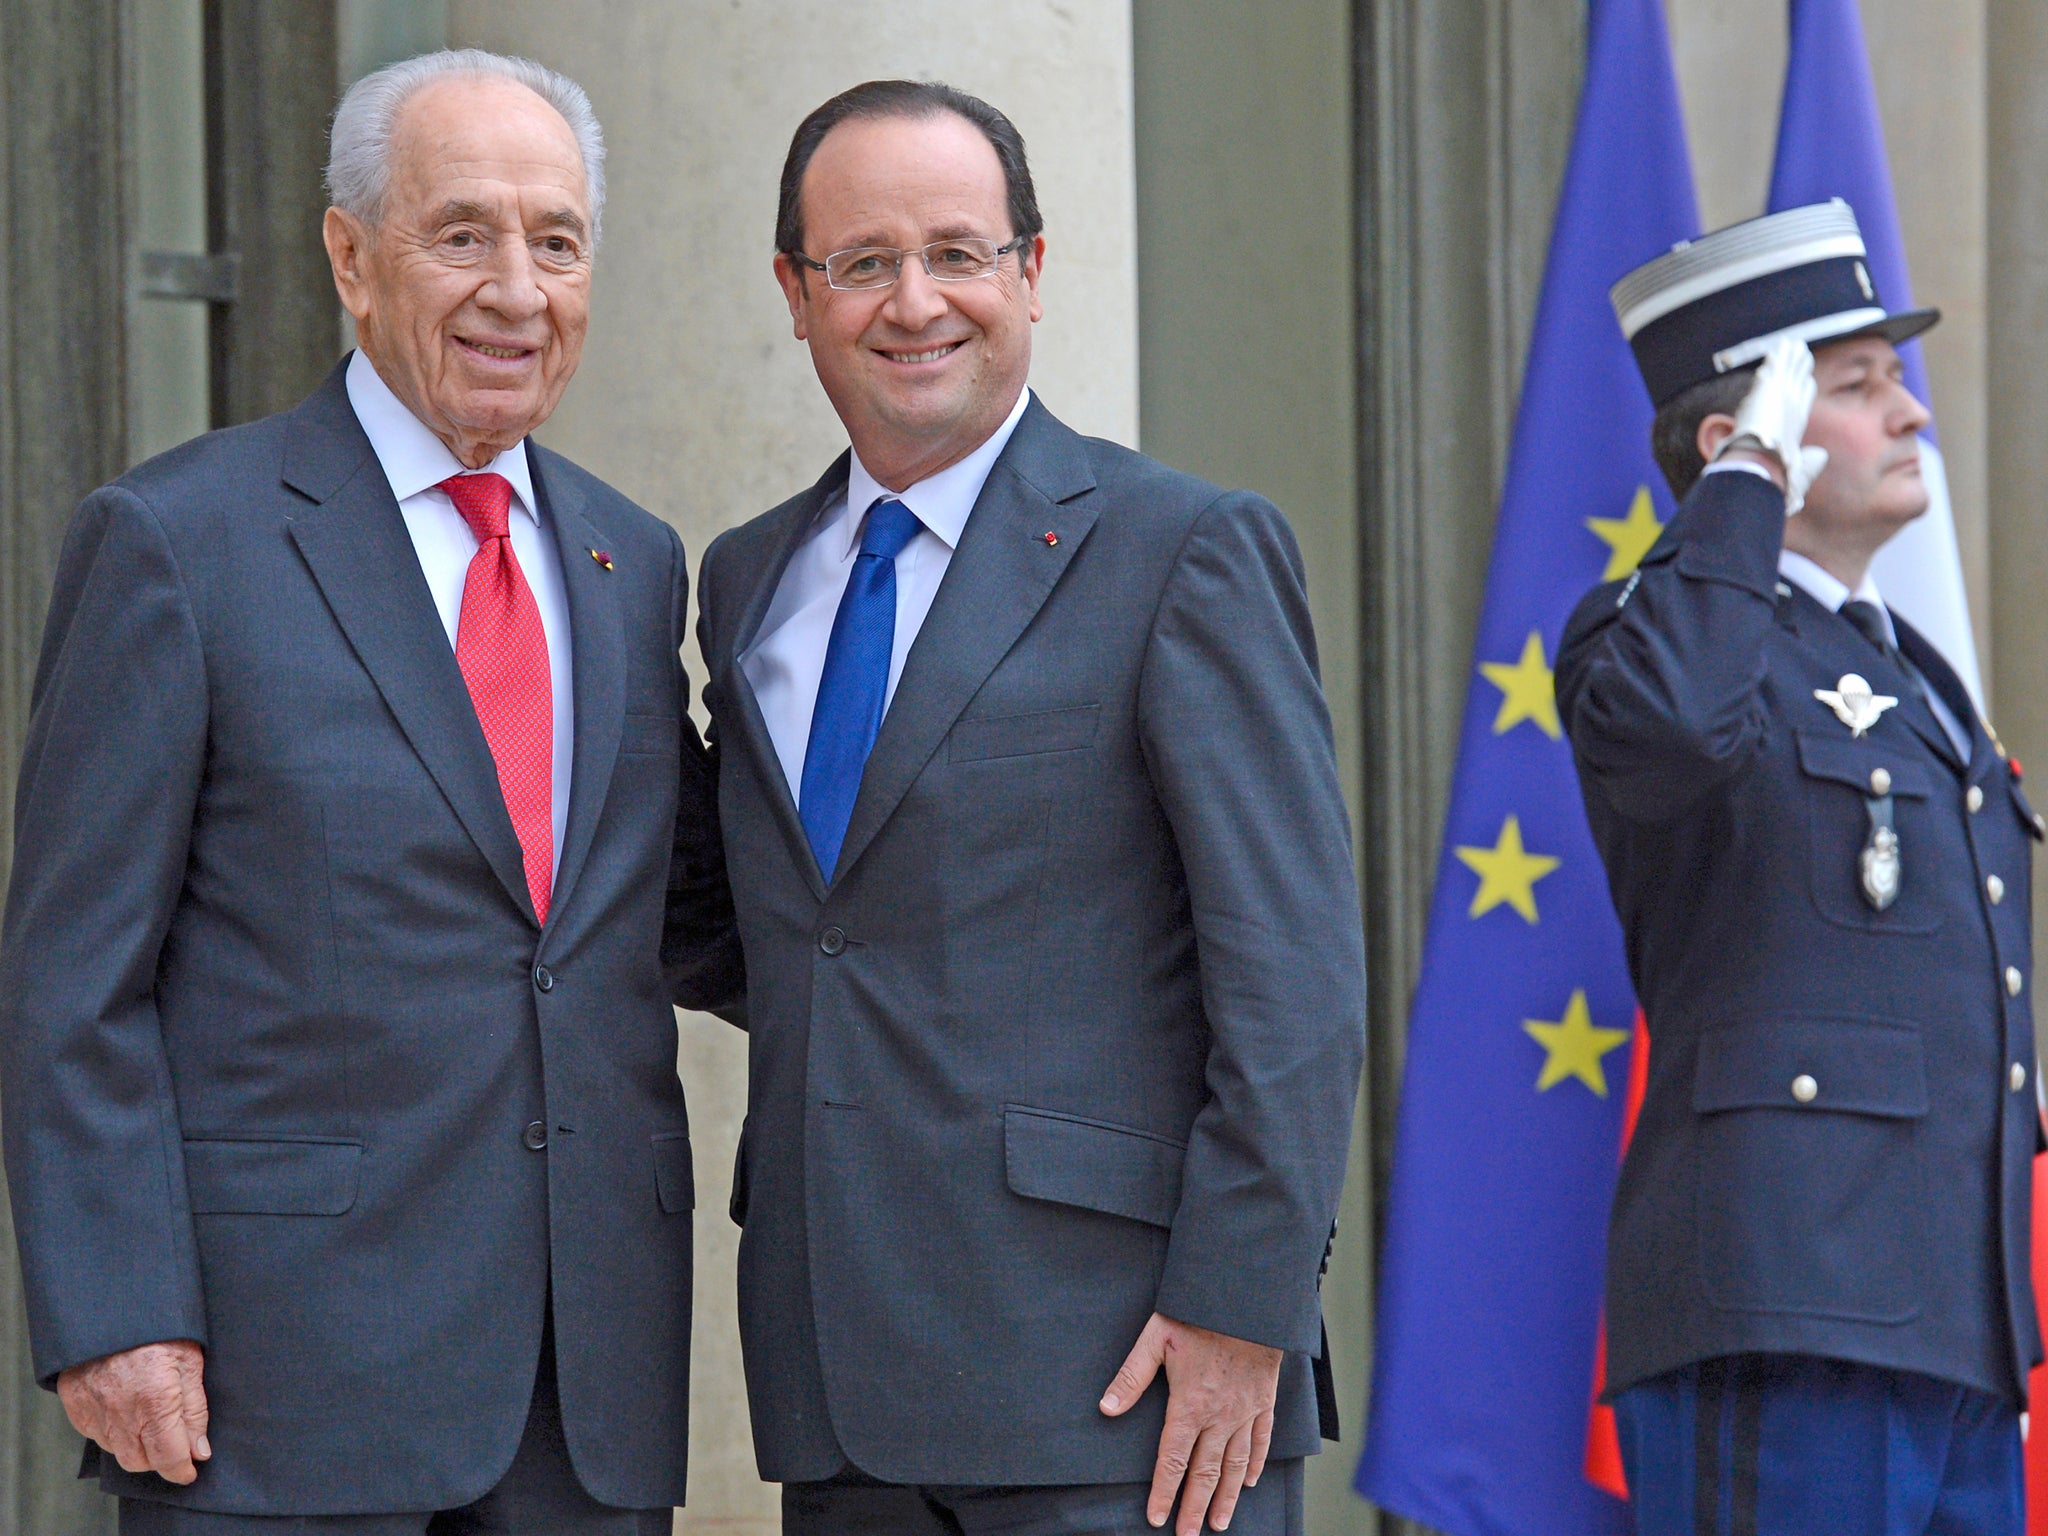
(1854, 704)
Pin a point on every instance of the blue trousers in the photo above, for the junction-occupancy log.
(1787, 1445)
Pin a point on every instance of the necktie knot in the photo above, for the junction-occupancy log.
(1869, 619)
(890, 526)
(485, 502)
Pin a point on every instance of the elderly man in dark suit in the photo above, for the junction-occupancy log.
(1045, 883)
(350, 1168)
(1818, 1302)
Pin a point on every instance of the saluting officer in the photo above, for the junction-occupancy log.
(1818, 1305)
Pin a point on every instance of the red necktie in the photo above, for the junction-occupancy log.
(503, 653)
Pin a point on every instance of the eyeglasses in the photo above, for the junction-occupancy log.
(877, 266)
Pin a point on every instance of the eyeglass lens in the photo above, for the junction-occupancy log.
(877, 266)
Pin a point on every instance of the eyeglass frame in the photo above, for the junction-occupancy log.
(922, 252)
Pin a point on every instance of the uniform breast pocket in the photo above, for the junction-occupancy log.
(1810, 1166)
(1841, 776)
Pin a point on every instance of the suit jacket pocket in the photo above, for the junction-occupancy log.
(675, 1175)
(272, 1178)
(651, 733)
(979, 737)
(1092, 1163)
(1810, 1169)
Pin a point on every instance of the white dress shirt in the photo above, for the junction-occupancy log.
(416, 462)
(787, 657)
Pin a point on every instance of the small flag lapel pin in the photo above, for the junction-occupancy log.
(602, 557)
(1052, 540)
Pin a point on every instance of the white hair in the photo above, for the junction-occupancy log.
(359, 150)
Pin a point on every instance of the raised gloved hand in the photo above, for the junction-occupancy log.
(1772, 418)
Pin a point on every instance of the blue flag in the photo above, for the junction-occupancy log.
(1518, 1044)
(1831, 144)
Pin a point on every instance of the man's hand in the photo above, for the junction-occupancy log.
(1772, 418)
(145, 1405)
(1219, 1417)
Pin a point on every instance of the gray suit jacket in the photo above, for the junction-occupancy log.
(1076, 1033)
(275, 1015)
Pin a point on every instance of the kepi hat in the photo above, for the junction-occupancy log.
(1712, 305)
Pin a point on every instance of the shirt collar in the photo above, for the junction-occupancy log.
(942, 501)
(1827, 590)
(413, 459)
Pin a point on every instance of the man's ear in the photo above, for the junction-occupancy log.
(348, 248)
(1715, 430)
(1033, 257)
(794, 290)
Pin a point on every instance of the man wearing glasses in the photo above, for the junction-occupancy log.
(1045, 882)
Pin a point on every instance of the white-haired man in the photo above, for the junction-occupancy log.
(363, 843)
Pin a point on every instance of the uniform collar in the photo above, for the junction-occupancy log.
(941, 502)
(1828, 591)
(413, 459)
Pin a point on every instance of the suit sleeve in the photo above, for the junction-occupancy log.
(1238, 741)
(700, 946)
(1659, 681)
(103, 814)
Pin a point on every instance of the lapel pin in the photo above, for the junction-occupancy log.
(602, 557)
(1052, 540)
(1854, 704)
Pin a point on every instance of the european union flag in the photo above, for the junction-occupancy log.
(1517, 1062)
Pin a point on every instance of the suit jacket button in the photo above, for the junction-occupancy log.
(2018, 1076)
(1994, 888)
(544, 978)
(1804, 1088)
(1880, 781)
(2013, 980)
(1974, 799)
(535, 1137)
(832, 941)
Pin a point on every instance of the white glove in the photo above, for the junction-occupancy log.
(1772, 418)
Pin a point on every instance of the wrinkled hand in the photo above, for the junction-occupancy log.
(146, 1406)
(1219, 1417)
(1772, 418)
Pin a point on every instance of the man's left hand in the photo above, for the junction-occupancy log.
(1219, 1417)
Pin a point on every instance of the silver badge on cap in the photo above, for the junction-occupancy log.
(1854, 704)
(1863, 278)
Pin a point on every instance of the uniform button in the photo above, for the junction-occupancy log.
(544, 978)
(1804, 1088)
(832, 941)
(1880, 781)
(2013, 980)
(1974, 799)
(535, 1137)
(1994, 888)
(2018, 1076)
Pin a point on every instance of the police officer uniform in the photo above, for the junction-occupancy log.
(1819, 1310)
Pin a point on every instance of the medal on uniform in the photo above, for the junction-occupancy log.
(1854, 704)
(1877, 866)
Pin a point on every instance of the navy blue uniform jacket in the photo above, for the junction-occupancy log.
(275, 1015)
(1883, 1219)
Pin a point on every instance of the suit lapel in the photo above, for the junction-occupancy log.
(798, 517)
(1000, 576)
(1941, 677)
(354, 541)
(597, 641)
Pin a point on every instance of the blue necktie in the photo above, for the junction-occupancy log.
(848, 715)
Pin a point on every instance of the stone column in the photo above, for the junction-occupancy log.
(695, 399)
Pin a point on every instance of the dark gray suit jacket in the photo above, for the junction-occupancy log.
(275, 1014)
(1076, 1033)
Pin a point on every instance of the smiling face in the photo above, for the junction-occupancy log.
(921, 372)
(1870, 425)
(471, 296)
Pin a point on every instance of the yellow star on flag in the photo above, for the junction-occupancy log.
(1528, 691)
(1629, 538)
(1507, 873)
(1574, 1046)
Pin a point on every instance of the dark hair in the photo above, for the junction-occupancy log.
(913, 99)
(1675, 434)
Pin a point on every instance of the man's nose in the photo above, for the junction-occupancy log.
(1909, 416)
(915, 298)
(512, 290)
